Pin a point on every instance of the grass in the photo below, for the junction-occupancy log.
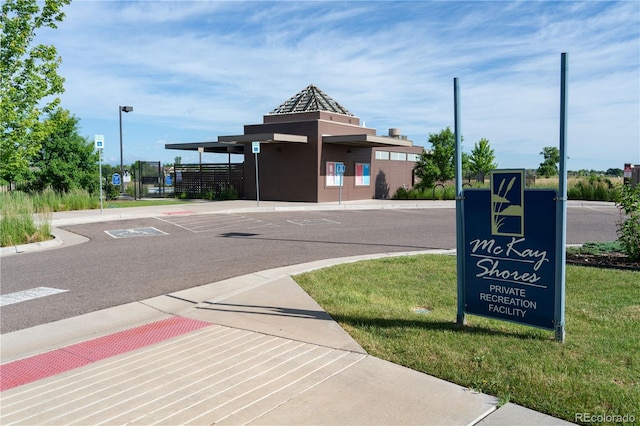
(26, 218)
(21, 222)
(597, 369)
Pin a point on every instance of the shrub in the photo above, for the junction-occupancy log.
(111, 191)
(596, 188)
(437, 192)
(229, 193)
(628, 228)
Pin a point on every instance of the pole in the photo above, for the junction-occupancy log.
(100, 162)
(340, 191)
(257, 183)
(561, 207)
(200, 149)
(459, 205)
(121, 165)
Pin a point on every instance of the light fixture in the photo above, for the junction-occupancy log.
(122, 109)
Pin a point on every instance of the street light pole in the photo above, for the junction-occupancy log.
(120, 110)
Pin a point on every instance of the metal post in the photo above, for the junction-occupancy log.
(200, 149)
(100, 181)
(561, 207)
(257, 182)
(459, 205)
(121, 165)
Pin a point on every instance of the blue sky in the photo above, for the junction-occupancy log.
(194, 70)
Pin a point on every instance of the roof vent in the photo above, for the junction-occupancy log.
(395, 133)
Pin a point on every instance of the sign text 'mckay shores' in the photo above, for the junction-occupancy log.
(509, 236)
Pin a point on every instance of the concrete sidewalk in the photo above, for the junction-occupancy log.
(264, 352)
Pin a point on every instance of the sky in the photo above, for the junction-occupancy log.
(196, 70)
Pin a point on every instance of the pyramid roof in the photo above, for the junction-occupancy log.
(310, 99)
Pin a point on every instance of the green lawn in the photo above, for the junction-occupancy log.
(382, 304)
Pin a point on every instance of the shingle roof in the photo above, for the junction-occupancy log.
(310, 99)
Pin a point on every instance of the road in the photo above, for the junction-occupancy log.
(192, 250)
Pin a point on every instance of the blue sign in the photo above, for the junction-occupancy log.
(509, 253)
(340, 168)
(167, 180)
(115, 179)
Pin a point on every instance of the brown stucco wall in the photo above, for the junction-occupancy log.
(349, 155)
(297, 172)
(285, 171)
(389, 175)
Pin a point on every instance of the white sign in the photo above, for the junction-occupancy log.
(99, 141)
(628, 172)
(255, 147)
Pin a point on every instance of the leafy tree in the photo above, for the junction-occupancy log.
(549, 167)
(615, 172)
(65, 160)
(437, 164)
(28, 81)
(482, 158)
(177, 160)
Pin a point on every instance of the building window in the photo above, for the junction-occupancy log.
(363, 174)
(333, 178)
(413, 157)
(399, 156)
(382, 155)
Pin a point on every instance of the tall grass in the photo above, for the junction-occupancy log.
(594, 188)
(21, 222)
(77, 199)
(26, 218)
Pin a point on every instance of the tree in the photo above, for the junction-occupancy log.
(29, 81)
(549, 167)
(65, 160)
(177, 160)
(437, 164)
(482, 158)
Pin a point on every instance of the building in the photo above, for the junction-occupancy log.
(304, 144)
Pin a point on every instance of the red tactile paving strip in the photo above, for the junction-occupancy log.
(38, 367)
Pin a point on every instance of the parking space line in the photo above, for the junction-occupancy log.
(30, 294)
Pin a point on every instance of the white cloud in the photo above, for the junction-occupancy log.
(198, 69)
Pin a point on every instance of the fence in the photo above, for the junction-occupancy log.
(207, 180)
